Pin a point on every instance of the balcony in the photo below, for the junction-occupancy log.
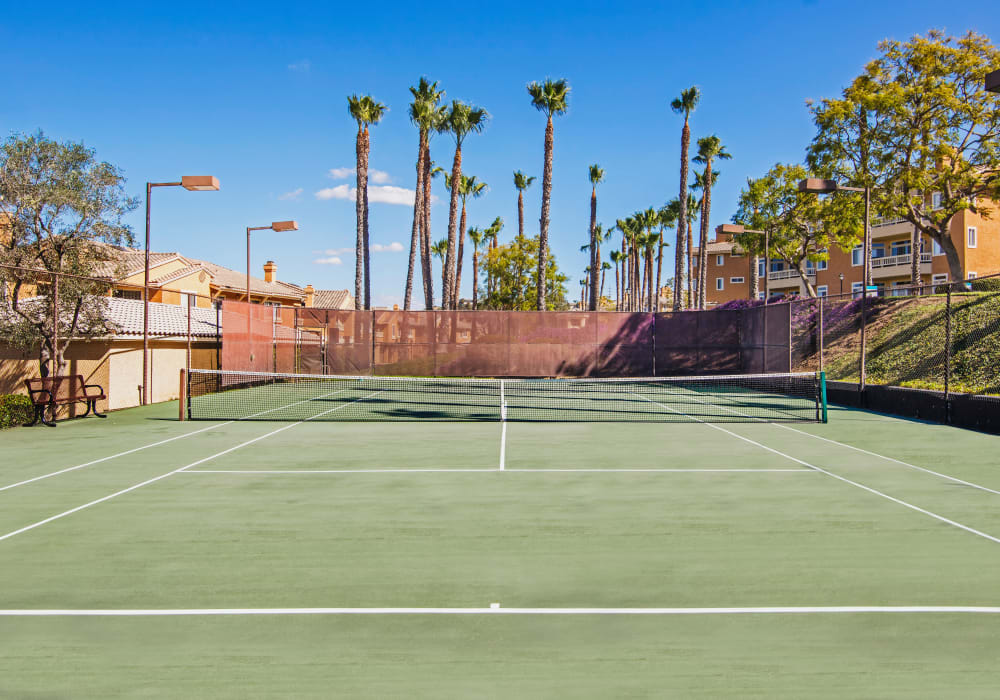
(898, 260)
(788, 275)
(888, 227)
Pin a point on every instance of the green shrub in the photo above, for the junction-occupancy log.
(987, 284)
(15, 409)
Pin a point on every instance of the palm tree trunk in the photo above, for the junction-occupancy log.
(520, 212)
(475, 277)
(754, 276)
(595, 253)
(618, 295)
(659, 272)
(457, 294)
(364, 191)
(915, 257)
(600, 291)
(428, 261)
(690, 271)
(416, 240)
(706, 211)
(651, 302)
(359, 209)
(543, 234)
(682, 221)
(448, 301)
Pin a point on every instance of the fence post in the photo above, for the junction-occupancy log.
(819, 332)
(947, 354)
(182, 402)
(862, 378)
(789, 336)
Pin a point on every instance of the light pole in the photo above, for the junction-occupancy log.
(275, 226)
(192, 183)
(820, 186)
(736, 230)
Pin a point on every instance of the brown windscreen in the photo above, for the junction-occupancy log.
(506, 343)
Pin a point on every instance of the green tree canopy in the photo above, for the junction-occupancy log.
(512, 267)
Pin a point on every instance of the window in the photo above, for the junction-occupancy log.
(810, 267)
(857, 286)
(720, 260)
(971, 237)
(128, 294)
(939, 278)
(856, 254)
(760, 267)
(900, 248)
(777, 265)
(936, 248)
(760, 295)
(936, 200)
(821, 290)
(735, 280)
(720, 283)
(878, 250)
(822, 264)
(970, 276)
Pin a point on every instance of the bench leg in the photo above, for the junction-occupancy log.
(51, 423)
(34, 418)
(93, 407)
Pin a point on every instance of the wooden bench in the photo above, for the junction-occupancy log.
(50, 392)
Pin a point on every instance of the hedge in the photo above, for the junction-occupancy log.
(15, 410)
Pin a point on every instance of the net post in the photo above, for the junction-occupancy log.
(820, 333)
(182, 402)
(822, 396)
(503, 404)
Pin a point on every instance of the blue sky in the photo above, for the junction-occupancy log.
(255, 94)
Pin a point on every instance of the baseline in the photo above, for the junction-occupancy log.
(821, 610)
(487, 471)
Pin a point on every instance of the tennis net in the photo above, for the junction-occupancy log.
(231, 395)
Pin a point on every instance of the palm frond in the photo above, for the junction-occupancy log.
(550, 96)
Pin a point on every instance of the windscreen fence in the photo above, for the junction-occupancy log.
(257, 338)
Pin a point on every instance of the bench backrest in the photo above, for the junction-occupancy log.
(61, 388)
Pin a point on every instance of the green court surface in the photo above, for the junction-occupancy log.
(143, 557)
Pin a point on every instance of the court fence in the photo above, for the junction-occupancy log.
(304, 340)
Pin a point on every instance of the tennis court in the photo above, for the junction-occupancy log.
(311, 537)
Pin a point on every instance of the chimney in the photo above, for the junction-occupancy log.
(310, 294)
(269, 270)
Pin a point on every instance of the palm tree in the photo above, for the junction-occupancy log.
(685, 104)
(425, 114)
(596, 177)
(477, 237)
(550, 97)
(667, 219)
(431, 171)
(469, 188)
(365, 111)
(461, 120)
(616, 258)
(710, 148)
(605, 266)
(492, 232)
(440, 249)
(521, 182)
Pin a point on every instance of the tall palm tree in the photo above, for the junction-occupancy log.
(667, 219)
(492, 233)
(596, 174)
(710, 148)
(693, 206)
(605, 266)
(431, 171)
(425, 114)
(685, 104)
(365, 111)
(477, 237)
(470, 187)
(550, 97)
(461, 120)
(521, 182)
(440, 249)
(616, 258)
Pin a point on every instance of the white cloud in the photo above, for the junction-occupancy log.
(379, 177)
(302, 66)
(294, 194)
(334, 251)
(332, 260)
(387, 194)
(393, 247)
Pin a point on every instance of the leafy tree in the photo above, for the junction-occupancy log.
(514, 270)
(59, 204)
(596, 174)
(801, 226)
(521, 182)
(550, 97)
(426, 114)
(492, 233)
(461, 120)
(685, 104)
(365, 111)
(917, 122)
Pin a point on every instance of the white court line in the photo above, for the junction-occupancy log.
(835, 476)
(26, 528)
(852, 447)
(155, 444)
(503, 444)
(487, 471)
(823, 610)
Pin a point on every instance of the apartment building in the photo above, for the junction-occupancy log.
(976, 238)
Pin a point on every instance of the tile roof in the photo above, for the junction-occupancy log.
(164, 319)
(333, 299)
